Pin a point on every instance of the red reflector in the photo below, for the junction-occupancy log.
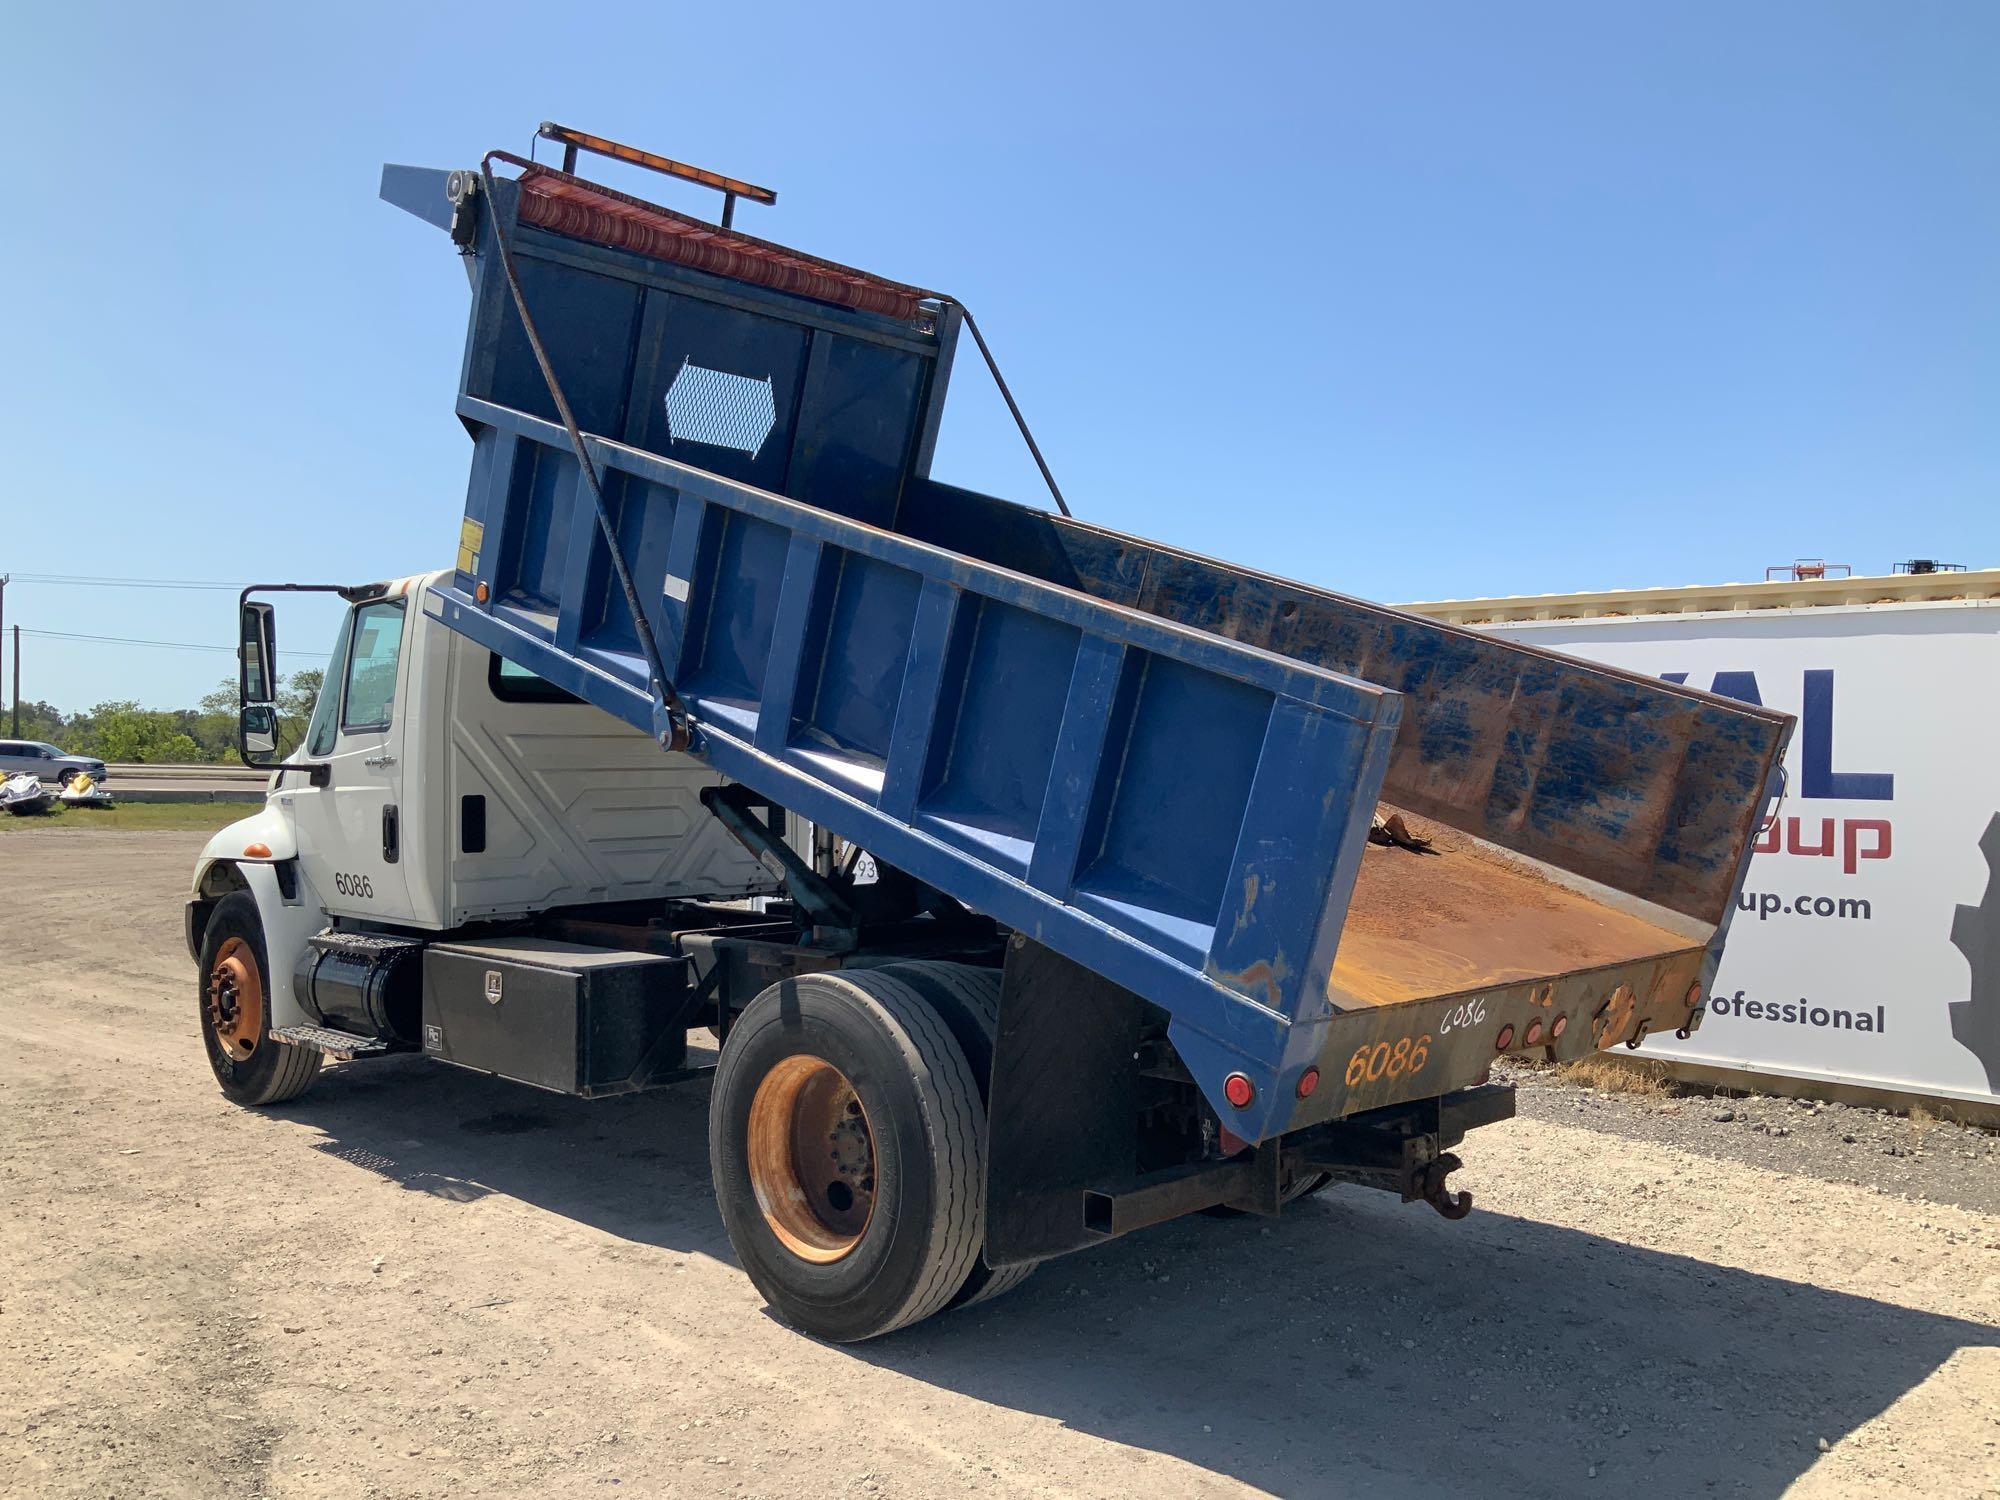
(1506, 1038)
(1238, 1090)
(1308, 1081)
(1534, 1032)
(1560, 1025)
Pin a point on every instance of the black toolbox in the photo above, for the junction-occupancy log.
(561, 1016)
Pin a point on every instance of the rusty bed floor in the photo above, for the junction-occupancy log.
(1468, 918)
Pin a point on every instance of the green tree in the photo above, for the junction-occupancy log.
(296, 699)
(213, 724)
(120, 730)
(39, 721)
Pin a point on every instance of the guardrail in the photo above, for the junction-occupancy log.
(142, 781)
(164, 771)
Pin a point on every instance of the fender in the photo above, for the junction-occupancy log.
(270, 826)
(287, 923)
(219, 868)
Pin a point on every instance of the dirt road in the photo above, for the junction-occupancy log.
(420, 1282)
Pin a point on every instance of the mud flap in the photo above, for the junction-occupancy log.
(1063, 1111)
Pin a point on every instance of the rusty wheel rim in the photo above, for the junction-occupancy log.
(812, 1158)
(235, 1000)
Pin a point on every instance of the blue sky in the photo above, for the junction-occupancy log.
(1416, 302)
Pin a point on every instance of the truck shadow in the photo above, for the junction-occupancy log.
(1354, 1346)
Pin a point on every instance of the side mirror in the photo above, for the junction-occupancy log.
(257, 683)
(257, 654)
(260, 731)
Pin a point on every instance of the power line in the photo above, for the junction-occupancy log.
(122, 640)
(85, 580)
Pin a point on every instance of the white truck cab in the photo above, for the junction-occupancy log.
(439, 786)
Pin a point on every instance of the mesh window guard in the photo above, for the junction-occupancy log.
(715, 407)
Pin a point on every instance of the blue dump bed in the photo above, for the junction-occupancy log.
(1161, 766)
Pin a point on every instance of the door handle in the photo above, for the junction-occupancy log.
(379, 762)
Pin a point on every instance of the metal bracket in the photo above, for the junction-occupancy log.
(1266, 1193)
(1403, 1149)
(670, 1043)
(832, 917)
(731, 188)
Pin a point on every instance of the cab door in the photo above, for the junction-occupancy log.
(350, 832)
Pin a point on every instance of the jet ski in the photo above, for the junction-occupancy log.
(83, 791)
(22, 794)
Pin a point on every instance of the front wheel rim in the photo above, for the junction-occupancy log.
(235, 1000)
(812, 1158)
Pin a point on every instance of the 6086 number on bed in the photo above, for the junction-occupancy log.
(1371, 1064)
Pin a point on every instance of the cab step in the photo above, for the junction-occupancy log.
(340, 1045)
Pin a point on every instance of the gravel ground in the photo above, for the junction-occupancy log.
(420, 1282)
(1926, 1159)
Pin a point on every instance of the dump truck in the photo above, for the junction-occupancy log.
(1034, 883)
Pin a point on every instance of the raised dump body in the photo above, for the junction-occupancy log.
(1163, 767)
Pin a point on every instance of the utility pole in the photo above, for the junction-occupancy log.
(17, 682)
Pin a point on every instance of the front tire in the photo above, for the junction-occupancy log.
(253, 1067)
(846, 1142)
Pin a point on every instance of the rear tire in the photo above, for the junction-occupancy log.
(968, 997)
(883, 1229)
(253, 1067)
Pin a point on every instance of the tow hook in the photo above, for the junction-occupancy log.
(1452, 1205)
